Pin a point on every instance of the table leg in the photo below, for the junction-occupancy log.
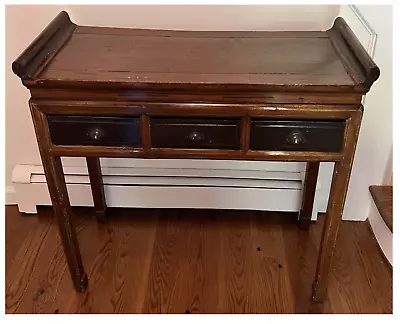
(96, 183)
(62, 210)
(59, 197)
(340, 181)
(310, 183)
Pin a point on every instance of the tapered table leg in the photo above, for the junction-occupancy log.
(340, 181)
(62, 210)
(310, 184)
(96, 183)
(60, 201)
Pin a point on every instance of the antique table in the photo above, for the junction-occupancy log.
(273, 96)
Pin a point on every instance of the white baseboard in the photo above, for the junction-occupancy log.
(168, 188)
(11, 196)
(155, 187)
(382, 233)
(168, 197)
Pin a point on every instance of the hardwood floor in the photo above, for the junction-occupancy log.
(197, 261)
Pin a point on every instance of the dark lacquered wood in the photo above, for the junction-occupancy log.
(233, 59)
(191, 109)
(145, 132)
(310, 185)
(312, 58)
(296, 135)
(200, 96)
(91, 73)
(96, 184)
(214, 265)
(205, 60)
(195, 133)
(44, 47)
(168, 153)
(364, 72)
(94, 130)
(245, 135)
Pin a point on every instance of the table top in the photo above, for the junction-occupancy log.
(152, 56)
(325, 61)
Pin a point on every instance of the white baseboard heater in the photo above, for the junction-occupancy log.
(156, 187)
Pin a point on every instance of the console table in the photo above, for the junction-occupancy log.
(273, 96)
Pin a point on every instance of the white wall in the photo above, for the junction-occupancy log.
(21, 147)
(375, 141)
(208, 17)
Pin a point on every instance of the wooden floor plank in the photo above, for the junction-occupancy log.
(119, 275)
(301, 254)
(197, 261)
(44, 296)
(169, 252)
(200, 274)
(17, 231)
(348, 291)
(235, 258)
(270, 284)
(133, 261)
(41, 291)
(24, 270)
(376, 269)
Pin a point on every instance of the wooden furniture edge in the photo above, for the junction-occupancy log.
(378, 192)
(343, 36)
(48, 43)
(44, 47)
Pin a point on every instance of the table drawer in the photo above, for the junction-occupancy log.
(297, 135)
(98, 131)
(196, 133)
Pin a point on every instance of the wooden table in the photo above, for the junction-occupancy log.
(273, 96)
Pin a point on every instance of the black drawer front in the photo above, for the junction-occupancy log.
(195, 133)
(98, 131)
(297, 135)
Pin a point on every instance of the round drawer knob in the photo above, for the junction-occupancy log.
(96, 134)
(296, 138)
(196, 136)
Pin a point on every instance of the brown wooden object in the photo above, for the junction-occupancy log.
(96, 183)
(383, 199)
(310, 184)
(273, 96)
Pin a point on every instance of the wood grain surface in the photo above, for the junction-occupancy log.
(140, 56)
(327, 61)
(131, 68)
(190, 261)
(383, 199)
